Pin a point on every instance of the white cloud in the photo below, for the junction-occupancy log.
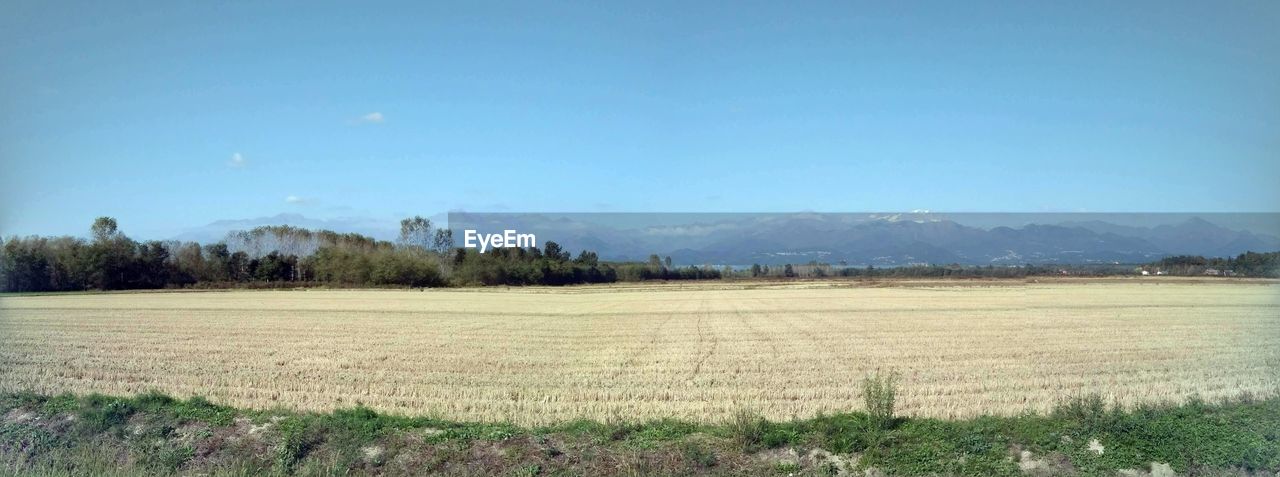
(374, 117)
(293, 199)
(237, 160)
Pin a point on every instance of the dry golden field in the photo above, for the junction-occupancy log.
(542, 355)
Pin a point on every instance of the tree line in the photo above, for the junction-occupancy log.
(284, 256)
(1248, 264)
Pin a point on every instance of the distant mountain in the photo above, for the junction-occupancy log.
(889, 243)
(1194, 236)
(217, 231)
(882, 239)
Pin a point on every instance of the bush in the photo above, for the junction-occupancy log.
(405, 267)
(748, 429)
(879, 393)
(101, 414)
(153, 400)
(1089, 412)
(293, 444)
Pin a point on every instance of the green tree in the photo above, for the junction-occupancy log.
(110, 255)
(104, 229)
(587, 258)
(151, 268)
(553, 251)
(25, 265)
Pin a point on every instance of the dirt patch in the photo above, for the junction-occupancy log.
(1096, 447)
(19, 416)
(831, 464)
(781, 456)
(1158, 469)
(1051, 464)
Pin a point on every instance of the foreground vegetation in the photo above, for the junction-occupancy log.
(155, 434)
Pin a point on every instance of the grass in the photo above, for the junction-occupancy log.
(154, 434)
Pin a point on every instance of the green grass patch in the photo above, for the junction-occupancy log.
(156, 434)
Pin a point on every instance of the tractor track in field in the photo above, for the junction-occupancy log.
(702, 338)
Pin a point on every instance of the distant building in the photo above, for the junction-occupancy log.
(1212, 271)
(1145, 273)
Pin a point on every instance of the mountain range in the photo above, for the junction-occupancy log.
(881, 239)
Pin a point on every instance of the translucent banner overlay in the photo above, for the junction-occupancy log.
(878, 238)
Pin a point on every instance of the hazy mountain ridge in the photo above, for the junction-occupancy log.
(896, 239)
(218, 230)
(1195, 236)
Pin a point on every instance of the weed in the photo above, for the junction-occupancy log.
(879, 392)
(787, 467)
(101, 413)
(292, 445)
(748, 430)
(530, 470)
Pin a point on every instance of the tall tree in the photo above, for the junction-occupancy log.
(587, 258)
(110, 256)
(104, 228)
(655, 263)
(553, 251)
(442, 241)
(416, 232)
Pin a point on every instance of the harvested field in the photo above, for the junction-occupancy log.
(541, 355)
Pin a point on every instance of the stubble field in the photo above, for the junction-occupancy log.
(702, 353)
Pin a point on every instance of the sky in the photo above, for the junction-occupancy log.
(172, 115)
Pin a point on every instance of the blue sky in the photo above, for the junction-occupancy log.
(140, 111)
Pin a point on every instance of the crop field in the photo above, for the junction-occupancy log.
(703, 352)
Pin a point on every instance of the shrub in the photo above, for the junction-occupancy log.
(879, 392)
(98, 416)
(1089, 412)
(293, 444)
(748, 429)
